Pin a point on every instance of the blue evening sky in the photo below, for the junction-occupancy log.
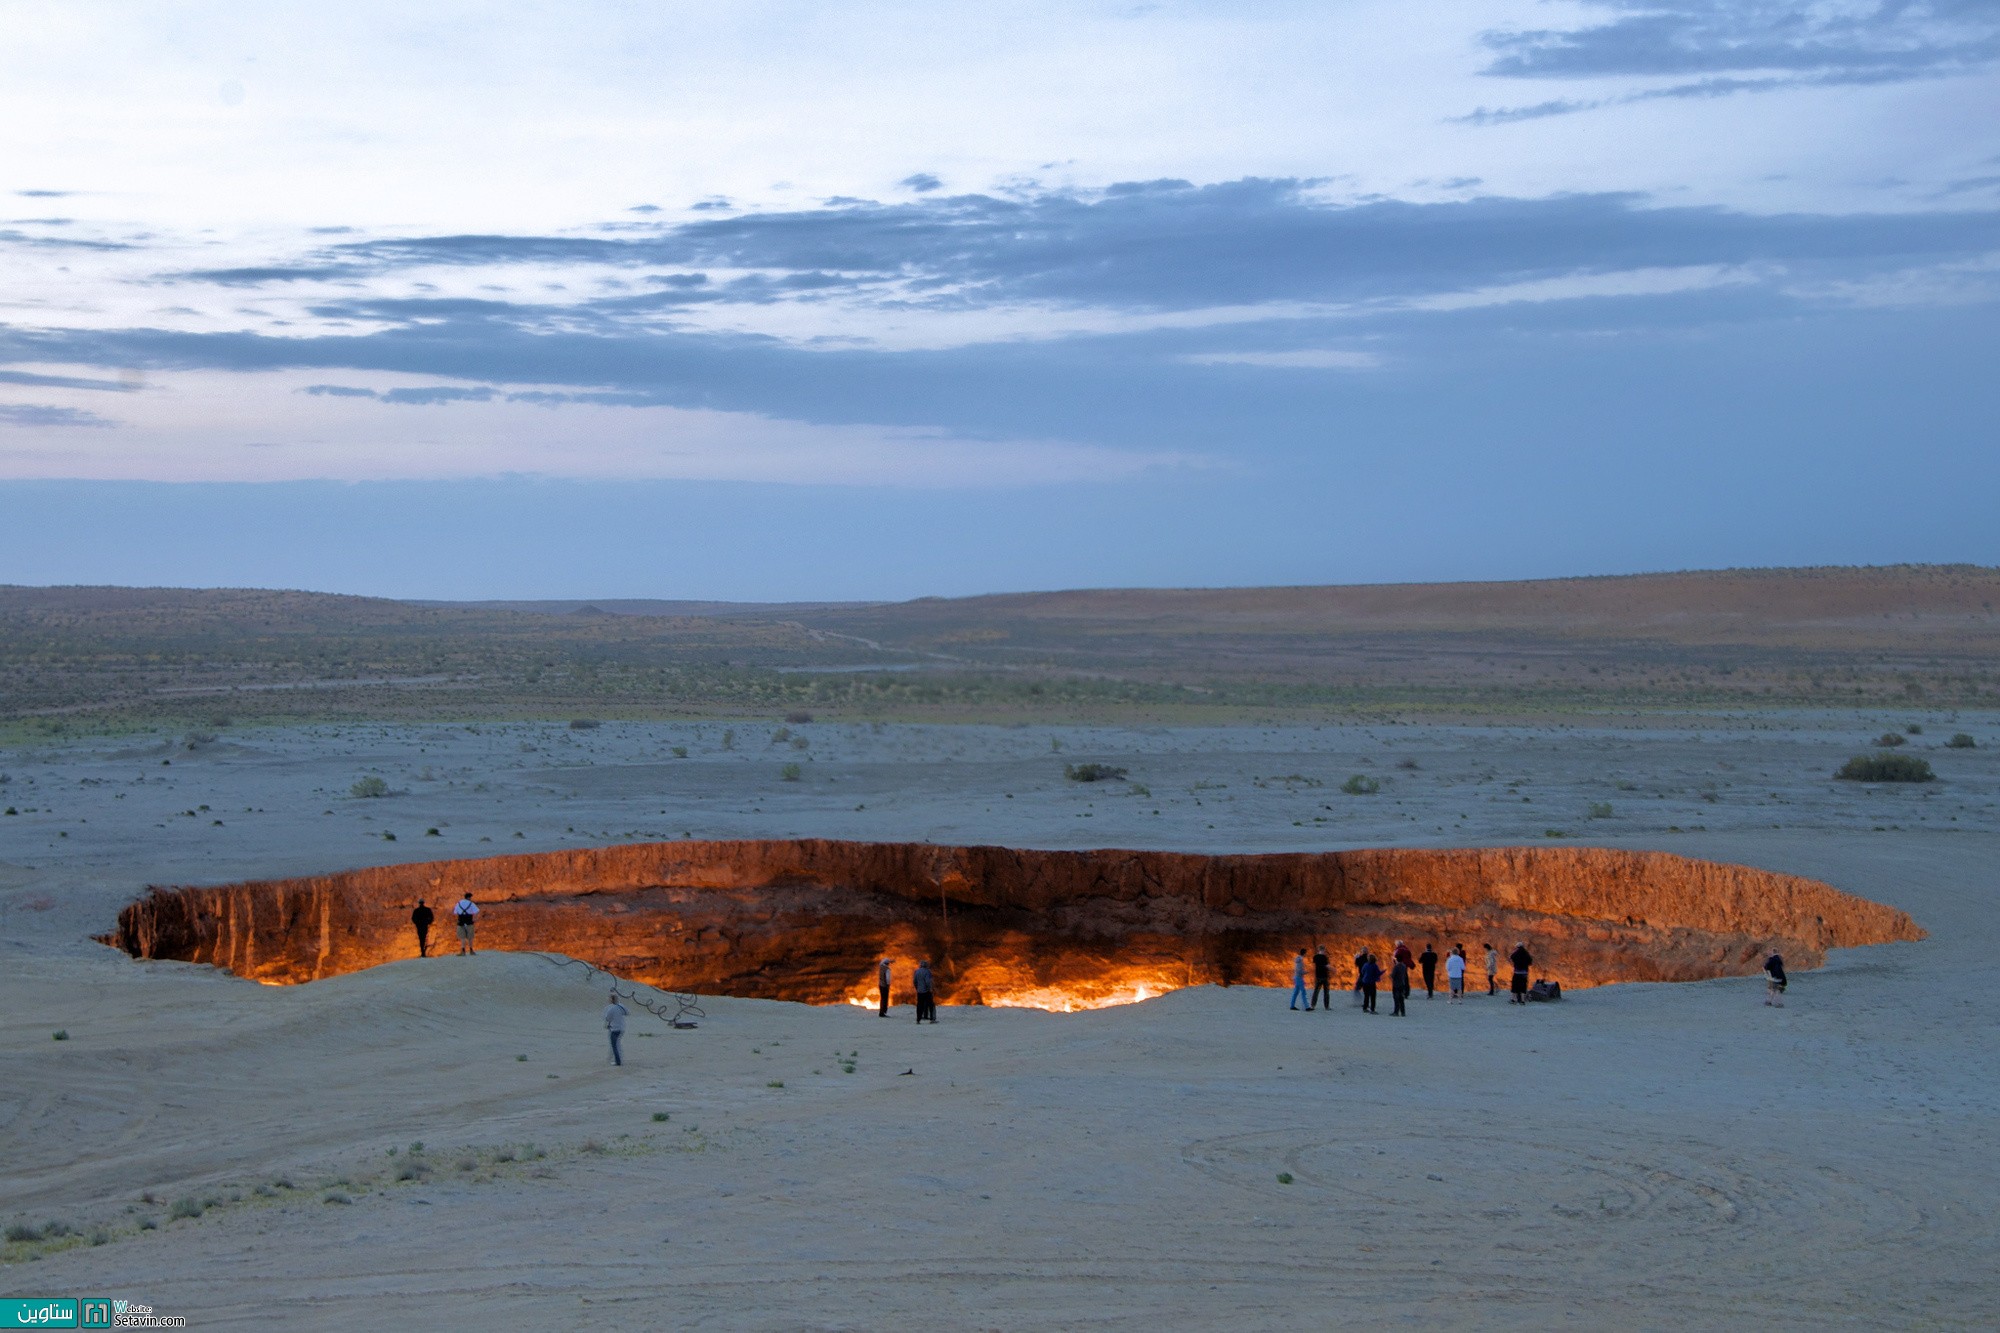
(791, 301)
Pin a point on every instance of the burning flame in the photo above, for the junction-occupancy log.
(1004, 993)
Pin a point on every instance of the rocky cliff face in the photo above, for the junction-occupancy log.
(805, 920)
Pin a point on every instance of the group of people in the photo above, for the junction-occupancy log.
(466, 913)
(1369, 972)
(926, 988)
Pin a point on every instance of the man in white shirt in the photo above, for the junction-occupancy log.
(614, 1023)
(467, 916)
(1454, 973)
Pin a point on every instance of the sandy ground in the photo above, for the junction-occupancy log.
(1638, 1156)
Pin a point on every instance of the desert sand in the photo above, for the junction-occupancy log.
(1636, 1156)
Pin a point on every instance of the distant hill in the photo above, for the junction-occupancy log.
(1915, 632)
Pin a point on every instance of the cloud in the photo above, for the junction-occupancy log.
(1860, 42)
(66, 382)
(37, 414)
(921, 183)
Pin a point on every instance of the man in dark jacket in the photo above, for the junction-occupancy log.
(1522, 961)
(1428, 961)
(1322, 979)
(421, 919)
(1399, 988)
(1774, 980)
(884, 973)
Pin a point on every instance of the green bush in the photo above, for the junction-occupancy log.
(1361, 785)
(1888, 739)
(791, 772)
(1092, 772)
(1600, 809)
(186, 1208)
(369, 788)
(1960, 741)
(1886, 768)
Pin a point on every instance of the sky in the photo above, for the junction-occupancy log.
(788, 301)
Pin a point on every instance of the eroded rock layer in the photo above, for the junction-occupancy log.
(805, 920)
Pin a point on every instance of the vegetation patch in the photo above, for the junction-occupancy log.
(1886, 768)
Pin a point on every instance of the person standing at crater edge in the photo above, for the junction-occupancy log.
(1322, 980)
(614, 1026)
(421, 919)
(1299, 978)
(884, 972)
(1492, 969)
(1399, 987)
(1774, 980)
(926, 995)
(1522, 961)
(1428, 961)
(467, 916)
(1454, 973)
(1370, 973)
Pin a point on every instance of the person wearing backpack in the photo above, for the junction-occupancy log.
(467, 916)
(1774, 980)
(1371, 976)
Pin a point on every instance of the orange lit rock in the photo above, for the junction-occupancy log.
(805, 920)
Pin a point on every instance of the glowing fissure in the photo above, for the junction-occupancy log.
(1060, 930)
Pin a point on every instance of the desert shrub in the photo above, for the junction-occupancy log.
(432, 833)
(801, 743)
(1960, 741)
(1886, 768)
(1888, 739)
(584, 724)
(369, 788)
(798, 717)
(186, 1208)
(22, 1232)
(781, 735)
(729, 738)
(1092, 772)
(791, 772)
(1600, 809)
(337, 1197)
(660, 1117)
(1913, 730)
(60, 1034)
(1361, 785)
(679, 752)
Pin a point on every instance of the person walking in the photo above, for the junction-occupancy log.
(467, 916)
(926, 996)
(1299, 978)
(1371, 976)
(1322, 980)
(884, 972)
(1454, 974)
(1774, 980)
(1361, 956)
(1428, 961)
(1492, 969)
(421, 919)
(1399, 988)
(1522, 961)
(614, 1025)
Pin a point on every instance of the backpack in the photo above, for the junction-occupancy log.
(1545, 990)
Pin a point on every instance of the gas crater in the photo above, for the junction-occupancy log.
(805, 920)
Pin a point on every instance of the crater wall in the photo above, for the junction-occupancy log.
(805, 920)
